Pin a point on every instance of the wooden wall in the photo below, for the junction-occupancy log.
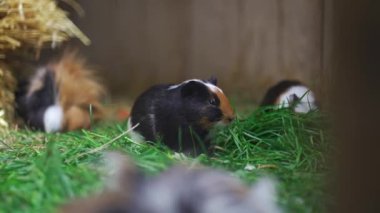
(354, 65)
(247, 44)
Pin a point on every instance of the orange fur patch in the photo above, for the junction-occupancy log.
(225, 106)
(205, 123)
(78, 89)
(76, 118)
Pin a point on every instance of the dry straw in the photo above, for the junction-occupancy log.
(34, 24)
(7, 86)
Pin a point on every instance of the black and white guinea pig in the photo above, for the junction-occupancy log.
(58, 96)
(177, 190)
(181, 115)
(290, 93)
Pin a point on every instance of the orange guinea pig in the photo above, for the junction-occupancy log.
(58, 97)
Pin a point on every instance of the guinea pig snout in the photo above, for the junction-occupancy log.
(228, 114)
(229, 119)
(226, 109)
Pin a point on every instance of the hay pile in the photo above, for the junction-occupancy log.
(7, 86)
(35, 24)
(26, 25)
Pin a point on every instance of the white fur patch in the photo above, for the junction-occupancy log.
(53, 118)
(152, 118)
(36, 82)
(135, 136)
(117, 168)
(263, 196)
(212, 87)
(306, 104)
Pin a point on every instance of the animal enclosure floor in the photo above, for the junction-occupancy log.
(40, 171)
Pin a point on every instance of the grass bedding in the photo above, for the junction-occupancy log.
(39, 171)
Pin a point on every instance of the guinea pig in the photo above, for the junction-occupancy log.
(59, 95)
(176, 190)
(181, 115)
(290, 94)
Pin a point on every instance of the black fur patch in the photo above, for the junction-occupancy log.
(195, 90)
(32, 107)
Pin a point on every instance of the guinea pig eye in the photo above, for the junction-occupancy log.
(212, 101)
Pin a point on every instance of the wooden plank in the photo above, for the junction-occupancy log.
(136, 43)
(248, 44)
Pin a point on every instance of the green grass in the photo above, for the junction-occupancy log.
(39, 171)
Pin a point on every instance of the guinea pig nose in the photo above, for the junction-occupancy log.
(230, 119)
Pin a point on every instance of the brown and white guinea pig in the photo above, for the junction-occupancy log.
(176, 190)
(181, 115)
(58, 96)
(290, 93)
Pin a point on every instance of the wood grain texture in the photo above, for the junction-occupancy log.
(248, 44)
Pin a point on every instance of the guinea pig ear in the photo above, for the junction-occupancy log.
(194, 88)
(293, 98)
(213, 80)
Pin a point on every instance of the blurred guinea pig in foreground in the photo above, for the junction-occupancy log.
(179, 189)
(181, 115)
(290, 94)
(59, 95)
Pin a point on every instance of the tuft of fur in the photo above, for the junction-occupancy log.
(122, 173)
(78, 89)
(263, 196)
(135, 136)
(53, 118)
(178, 189)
